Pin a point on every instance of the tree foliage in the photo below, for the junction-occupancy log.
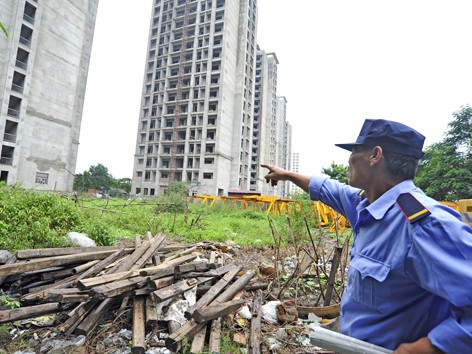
(445, 172)
(4, 30)
(336, 171)
(174, 199)
(97, 177)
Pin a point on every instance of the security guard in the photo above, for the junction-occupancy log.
(410, 275)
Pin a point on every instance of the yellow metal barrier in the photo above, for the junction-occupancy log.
(465, 208)
(321, 213)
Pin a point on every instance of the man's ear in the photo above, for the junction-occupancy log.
(376, 156)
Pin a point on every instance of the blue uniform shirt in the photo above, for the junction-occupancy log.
(405, 281)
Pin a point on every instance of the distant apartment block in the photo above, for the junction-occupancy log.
(200, 120)
(43, 74)
(265, 118)
(295, 168)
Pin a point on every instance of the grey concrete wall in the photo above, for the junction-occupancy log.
(53, 95)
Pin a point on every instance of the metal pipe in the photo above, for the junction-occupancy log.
(343, 344)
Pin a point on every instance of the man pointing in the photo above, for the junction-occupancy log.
(410, 274)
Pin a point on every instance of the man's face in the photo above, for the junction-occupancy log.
(359, 163)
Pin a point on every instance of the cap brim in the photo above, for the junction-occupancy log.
(347, 146)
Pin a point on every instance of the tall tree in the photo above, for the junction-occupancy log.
(445, 172)
(336, 171)
(97, 177)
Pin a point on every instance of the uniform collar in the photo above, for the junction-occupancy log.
(379, 208)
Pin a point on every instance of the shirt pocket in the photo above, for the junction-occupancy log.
(371, 285)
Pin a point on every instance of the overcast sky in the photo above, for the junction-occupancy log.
(339, 63)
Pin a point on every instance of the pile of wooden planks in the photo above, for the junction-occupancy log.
(87, 283)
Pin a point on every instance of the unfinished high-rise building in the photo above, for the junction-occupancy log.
(43, 74)
(197, 106)
(295, 167)
(197, 110)
(265, 108)
(271, 131)
(283, 144)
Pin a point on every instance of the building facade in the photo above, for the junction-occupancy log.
(265, 118)
(43, 75)
(295, 168)
(283, 144)
(200, 119)
(197, 108)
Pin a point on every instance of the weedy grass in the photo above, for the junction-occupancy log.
(32, 219)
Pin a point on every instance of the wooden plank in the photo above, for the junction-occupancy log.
(202, 289)
(151, 311)
(92, 319)
(77, 316)
(54, 252)
(83, 267)
(213, 292)
(160, 283)
(174, 289)
(88, 283)
(190, 328)
(154, 259)
(139, 332)
(183, 253)
(234, 288)
(57, 274)
(215, 336)
(116, 288)
(21, 267)
(51, 252)
(198, 341)
(28, 312)
(167, 264)
(10, 260)
(212, 312)
(255, 333)
(332, 275)
(103, 264)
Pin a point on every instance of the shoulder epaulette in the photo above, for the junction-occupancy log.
(412, 208)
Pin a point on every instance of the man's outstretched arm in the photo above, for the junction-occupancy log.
(279, 174)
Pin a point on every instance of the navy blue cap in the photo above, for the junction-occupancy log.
(391, 136)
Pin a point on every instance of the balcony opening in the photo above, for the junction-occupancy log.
(22, 59)
(14, 107)
(11, 129)
(30, 13)
(18, 83)
(4, 176)
(6, 156)
(26, 35)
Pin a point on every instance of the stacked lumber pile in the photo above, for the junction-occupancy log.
(87, 283)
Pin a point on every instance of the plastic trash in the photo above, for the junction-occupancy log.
(269, 312)
(80, 240)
